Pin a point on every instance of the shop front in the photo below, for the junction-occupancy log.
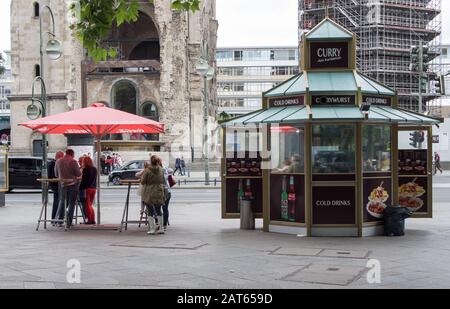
(330, 150)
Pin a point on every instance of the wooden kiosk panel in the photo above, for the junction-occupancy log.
(415, 170)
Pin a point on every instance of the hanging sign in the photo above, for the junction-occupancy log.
(376, 100)
(329, 55)
(33, 112)
(288, 101)
(333, 100)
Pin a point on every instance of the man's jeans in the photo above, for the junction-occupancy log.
(166, 209)
(70, 195)
(55, 203)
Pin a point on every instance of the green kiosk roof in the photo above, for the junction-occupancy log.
(328, 30)
(301, 114)
(329, 82)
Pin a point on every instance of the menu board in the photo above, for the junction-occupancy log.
(377, 196)
(250, 189)
(413, 193)
(287, 198)
(334, 205)
(413, 162)
(244, 167)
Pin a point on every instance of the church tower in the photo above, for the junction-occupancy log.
(154, 75)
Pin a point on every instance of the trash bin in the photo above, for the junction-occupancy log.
(247, 216)
(394, 220)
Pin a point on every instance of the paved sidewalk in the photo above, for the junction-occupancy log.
(202, 251)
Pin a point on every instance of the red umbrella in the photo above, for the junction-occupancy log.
(97, 120)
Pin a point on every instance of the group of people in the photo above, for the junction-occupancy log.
(110, 163)
(77, 182)
(155, 194)
(180, 167)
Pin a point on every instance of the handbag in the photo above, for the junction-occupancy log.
(172, 181)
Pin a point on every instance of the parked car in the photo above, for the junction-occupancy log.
(126, 172)
(24, 172)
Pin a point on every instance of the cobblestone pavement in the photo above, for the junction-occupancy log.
(202, 251)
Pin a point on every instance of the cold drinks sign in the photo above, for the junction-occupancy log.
(329, 55)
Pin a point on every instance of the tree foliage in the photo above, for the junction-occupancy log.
(96, 18)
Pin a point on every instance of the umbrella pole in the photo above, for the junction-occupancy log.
(99, 167)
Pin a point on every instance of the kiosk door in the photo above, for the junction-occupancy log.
(415, 170)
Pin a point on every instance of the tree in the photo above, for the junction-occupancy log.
(96, 18)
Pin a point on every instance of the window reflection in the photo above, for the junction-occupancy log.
(333, 150)
(376, 148)
(287, 149)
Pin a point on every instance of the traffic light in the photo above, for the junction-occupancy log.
(440, 85)
(414, 139)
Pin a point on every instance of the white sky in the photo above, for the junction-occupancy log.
(243, 22)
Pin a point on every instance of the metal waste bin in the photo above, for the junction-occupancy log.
(394, 220)
(247, 216)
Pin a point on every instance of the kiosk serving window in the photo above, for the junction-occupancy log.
(287, 149)
(376, 148)
(333, 150)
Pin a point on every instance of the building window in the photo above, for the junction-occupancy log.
(37, 70)
(36, 9)
(150, 111)
(238, 55)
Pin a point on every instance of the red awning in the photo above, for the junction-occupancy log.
(97, 120)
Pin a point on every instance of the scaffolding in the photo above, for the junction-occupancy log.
(386, 30)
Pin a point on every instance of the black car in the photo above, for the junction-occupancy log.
(126, 172)
(24, 172)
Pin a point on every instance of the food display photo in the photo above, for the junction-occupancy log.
(412, 162)
(377, 193)
(413, 194)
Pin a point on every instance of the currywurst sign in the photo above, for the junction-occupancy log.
(289, 101)
(334, 100)
(329, 55)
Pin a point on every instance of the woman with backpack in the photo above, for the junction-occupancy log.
(153, 195)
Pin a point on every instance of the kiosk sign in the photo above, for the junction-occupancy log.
(329, 55)
(334, 100)
(377, 101)
(285, 102)
(334, 205)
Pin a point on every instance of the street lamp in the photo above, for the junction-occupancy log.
(53, 50)
(207, 72)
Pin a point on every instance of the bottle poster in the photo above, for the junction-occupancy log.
(243, 188)
(287, 198)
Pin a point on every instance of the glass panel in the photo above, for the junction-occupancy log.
(333, 150)
(412, 140)
(377, 148)
(288, 149)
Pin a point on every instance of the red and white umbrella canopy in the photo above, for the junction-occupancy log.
(97, 120)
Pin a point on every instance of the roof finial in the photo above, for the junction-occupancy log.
(327, 12)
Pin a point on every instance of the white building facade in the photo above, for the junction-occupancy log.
(244, 73)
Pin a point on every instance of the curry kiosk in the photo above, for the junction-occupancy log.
(330, 150)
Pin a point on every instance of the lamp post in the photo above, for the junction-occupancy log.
(207, 72)
(53, 52)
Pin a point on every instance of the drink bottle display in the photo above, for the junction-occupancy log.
(248, 190)
(292, 198)
(240, 194)
(284, 200)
